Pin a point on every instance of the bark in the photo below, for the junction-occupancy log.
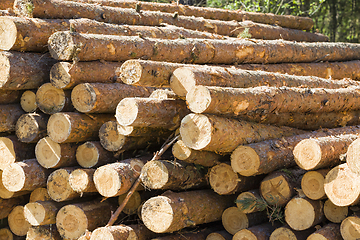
(224, 181)
(151, 112)
(220, 235)
(70, 45)
(259, 232)
(7, 205)
(10, 96)
(42, 212)
(243, 199)
(165, 174)
(28, 101)
(73, 220)
(39, 194)
(312, 184)
(17, 222)
(279, 187)
(234, 220)
(141, 131)
(26, 175)
(81, 180)
(5, 4)
(12, 150)
(31, 127)
(133, 203)
(352, 154)
(174, 211)
(267, 156)
(24, 70)
(189, 235)
(50, 154)
(122, 232)
(287, 233)
(335, 213)
(47, 232)
(7, 12)
(303, 213)
(330, 231)
(322, 152)
(341, 186)
(184, 79)
(117, 178)
(50, 99)
(6, 234)
(219, 134)
(348, 227)
(6, 194)
(75, 127)
(9, 115)
(104, 97)
(92, 155)
(186, 154)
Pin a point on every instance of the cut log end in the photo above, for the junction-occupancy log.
(71, 222)
(110, 138)
(283, 233)
(61, 46)
(13, 177)
(48, 152)
(126, 111)
(199, 99)
(7, 152)
(113, 233)
(27, 128)
(245, 161)
(180, 150)
(17, 222)
(8, 33)
(83, 97)
(307, 154)
(223, 179)
(299, 214)
(107, 181)
(59, 75)
(34, 213)
(245, 234)
(79, 180)
(39, 194)
(245, 197)
(6, 234)
(58, 186)
(335, 213)
(133, 203)
(154, 175)
(4, 70)
(182, 81)
(28, 101)
(50, 99)
(87, 155)
(196, 131)
(312, 184)
(350, 228)
(276, 190)
(157, 214)
(59, 127)
(130, 72)
(234, 220)
(352, 156)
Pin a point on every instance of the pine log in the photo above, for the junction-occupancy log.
(28, 101)
(220, 235)
(342, 186)
(142, 131)
(184, 79)
(286, 233)
(81, 180)
(164, 94)
(235, 220)
(73, 220)
(316, 153)
(70, 45)
(47, 232)
(92, 155)
(42, 212)
(132, 204)
(50, 154)
(10, 96)
(7, 12)
(224, 181)
(104, 97)
(122, 232)
(165, 174)
(24, 70)
(6, 234)
(191, 234)
(349, 228)
(39, 194)
(117, 178)
(17, 222)
(25, 175)
(279, 187)
(335, 213)
(312, 184)
(5, 4)
(330, 231)
(6, 194)
(75, 127)
(247, 202)
(219, 134)
(12, 150)
(267, 156)
(31, 127)
(9, 115)
(58, 185)
(303, 213)
(174, 211)
(7, 205)
(259, 232)
(352, 154)
(50, 99)
(151, 112)
(186, 154)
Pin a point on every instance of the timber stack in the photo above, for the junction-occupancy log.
(260, 114)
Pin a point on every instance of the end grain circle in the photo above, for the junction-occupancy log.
(59, 127)
(157, 214)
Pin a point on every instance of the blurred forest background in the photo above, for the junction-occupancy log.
(337, 19)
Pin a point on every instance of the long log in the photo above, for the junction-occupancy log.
(9, 114)
(39, 194)
(104, 97)
(352, 154)
(58, 185)
(75, 127)
(267, 156)
(81, 180)
(198, 132)
(70, 45)
(48, 232)
(330, 231)
(50, 99)
(17, 222)
(174, 211)
(92, 155)
(335, 213)
(286, 233)
(28, 101)
(349, 229)
(312, 184)
(42, 212)
(31, 127)
(7, 205)
(259, 232)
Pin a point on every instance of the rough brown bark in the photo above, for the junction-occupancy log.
(286, 233)
(5, 4)
(330, 231)
(235, 220)
(6, 194)
(104, 97)
(28, 101)
(12, 150)
(174, 211)
(259, 232)
(151, 112)
(7, 205)
(31, 127)
(47, 232)
(39, 194)
(42, 212)
(130, 232)
(10, 96)
(24, 70)
(92, 155)
(165, 174)
(25, 175)
(267, 156)
(9, 114)
(341, 186)
(81, 180)
(243, 199)
(6, 234)
(335, 213)
(352, 154)
(69, 46)
(133, 204)
(184, 79)
(73, 220)
(17, 222)
(312, 184)
(279, 187)
(75, 127)
(316, 153)
(198, 132)
(224, 181)
(7, 12)
(349, 229)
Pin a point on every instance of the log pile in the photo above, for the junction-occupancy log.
(259, 112)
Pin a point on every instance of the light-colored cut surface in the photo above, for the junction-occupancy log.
(114, 233)
(353, 155)
(17, 222)
(71, 222)
(196, 131)
(335, 213)
(244, 198)
(234, 220)
(182, 81)
(245, 161)
(59, 74)
(133, 203)
(130, 72)
(7, 153)
(157, 174)
(245, 235)
(350, 228)
(283, 233)
(28, 101)
(50, 99)
(34, 213)
(48, 152)
(299, 214)
(13, 177)
(59, 127)
(126, 111)
(58, 185)
(276, 190)
(107, 181)
(312, 184)
(307, 154)
(6, 234)
(223, 179)
(81, 180)
(39, 194)
(8, 33)
(83, 97)
(87, 155)
(198, 99)
(109, 136)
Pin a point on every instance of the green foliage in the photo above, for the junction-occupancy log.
(244, 34)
